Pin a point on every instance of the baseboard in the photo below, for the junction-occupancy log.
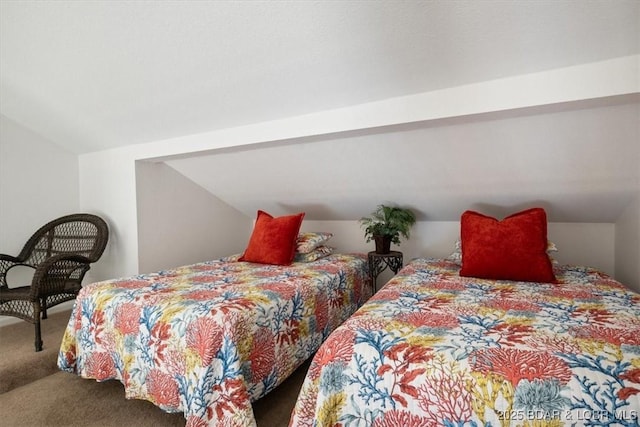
(8, 320)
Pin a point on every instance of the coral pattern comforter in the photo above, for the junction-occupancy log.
(432, 348)
(210, 338)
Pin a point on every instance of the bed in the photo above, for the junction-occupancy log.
(497, 334)
(210, 338)
(432, 348)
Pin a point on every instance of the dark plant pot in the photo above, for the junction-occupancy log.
(383, 244)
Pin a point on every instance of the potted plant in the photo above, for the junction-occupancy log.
(385, 226)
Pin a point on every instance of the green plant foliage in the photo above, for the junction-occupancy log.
(390, 221)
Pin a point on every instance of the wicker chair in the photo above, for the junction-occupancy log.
(61, 253)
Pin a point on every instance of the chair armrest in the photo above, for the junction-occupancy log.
(6, 263)
(55, 272)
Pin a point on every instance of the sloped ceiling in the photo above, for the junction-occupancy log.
(92, 75)
(98, 75)
(582, 164)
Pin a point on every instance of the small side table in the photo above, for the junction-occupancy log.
(380, 262)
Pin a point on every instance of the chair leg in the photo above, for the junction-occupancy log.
(44, 308)
(38, 336)
(36, 316)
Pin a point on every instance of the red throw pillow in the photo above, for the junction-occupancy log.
(511, 249)
(273, 240)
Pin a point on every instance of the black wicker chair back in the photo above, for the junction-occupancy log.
(60, 252)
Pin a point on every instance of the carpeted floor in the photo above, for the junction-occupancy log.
(33, 392)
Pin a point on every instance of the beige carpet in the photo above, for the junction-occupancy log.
(35, 393)
(19, 363)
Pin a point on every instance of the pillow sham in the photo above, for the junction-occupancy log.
(308, 241)
(273, 240)
(314, 255)
(511, 249)
(456, 255)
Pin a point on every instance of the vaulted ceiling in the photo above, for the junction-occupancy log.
(582, 165)
(97, 75)
(91, 75)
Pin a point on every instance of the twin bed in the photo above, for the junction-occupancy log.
(436, 346)
(432, 348)
(210, 338)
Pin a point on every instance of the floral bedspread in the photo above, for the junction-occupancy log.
(208, 339)
(432, 348)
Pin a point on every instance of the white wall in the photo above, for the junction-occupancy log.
(108, 188)
(38, 183)
(627, 246)
(181, 223)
